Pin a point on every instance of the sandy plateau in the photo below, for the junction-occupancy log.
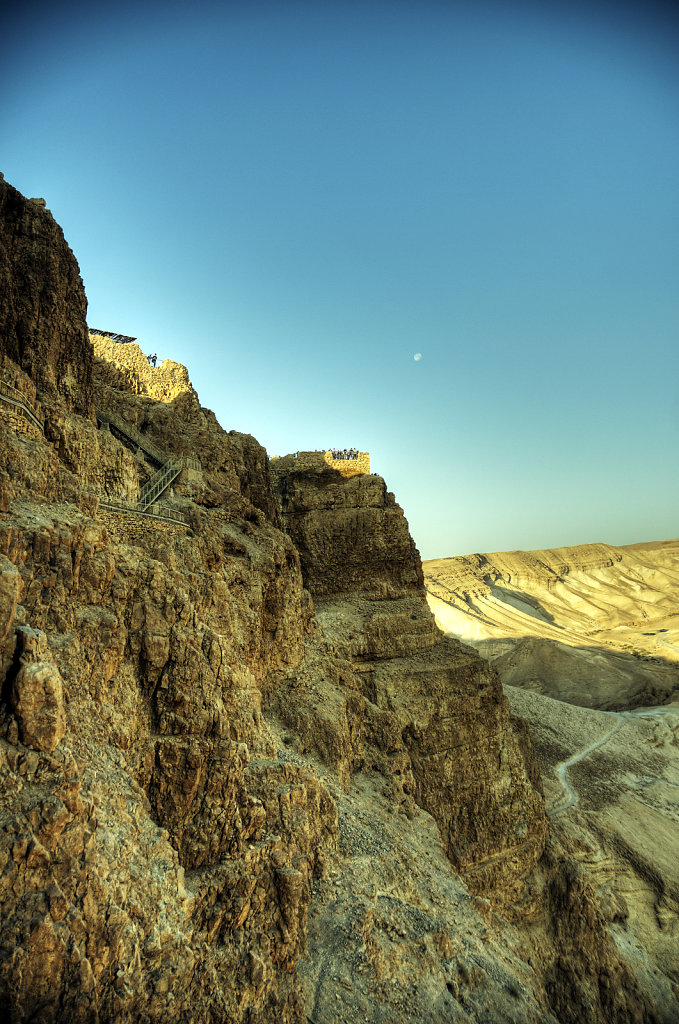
(586, 640)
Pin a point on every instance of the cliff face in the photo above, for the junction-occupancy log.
(219, 801)
(428, 711)
(350, 533)
(151, 838)
(42, 302)
(428, 715)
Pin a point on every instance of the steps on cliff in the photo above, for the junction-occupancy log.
(159, 483)
(11, 396)
(169, 469)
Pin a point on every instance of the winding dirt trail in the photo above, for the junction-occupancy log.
(570, 796)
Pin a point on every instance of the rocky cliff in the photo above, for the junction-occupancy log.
(426, 711)
(42, 302)
(244, 777)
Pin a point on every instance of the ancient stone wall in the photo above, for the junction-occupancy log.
(164, 382)
(350, 467)
(15, 419)
(137, 529)
(309, 460)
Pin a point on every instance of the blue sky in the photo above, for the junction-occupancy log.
(294, 199)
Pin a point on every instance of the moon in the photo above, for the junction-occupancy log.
(417, 357)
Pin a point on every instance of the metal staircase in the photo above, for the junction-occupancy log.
(159, 483)
(169, 468)
(131, 436)
(11, 396)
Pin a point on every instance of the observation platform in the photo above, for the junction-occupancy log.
(348, 462)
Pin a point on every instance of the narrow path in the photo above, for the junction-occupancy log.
(11, 396)
(571, 795)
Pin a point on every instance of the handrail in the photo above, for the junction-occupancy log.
(133, 435)
(164, 511)
(15, 397)
(159, 483)
(169, 468)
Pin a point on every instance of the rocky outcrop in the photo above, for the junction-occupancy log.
(351, 535)
(428, 711)
(42, 302)
(230, 768)
(429, 715)
(165, 759)
(133, 658)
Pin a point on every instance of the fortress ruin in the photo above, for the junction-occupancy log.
(357, 465)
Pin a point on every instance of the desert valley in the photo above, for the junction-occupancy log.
(259, 765)
(586, 641)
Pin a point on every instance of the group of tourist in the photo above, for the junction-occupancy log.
(152, 359)
(347, 453)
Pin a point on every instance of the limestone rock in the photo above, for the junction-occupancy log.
(351, 535)
(38, 702)
(10, 589)
(427, 711)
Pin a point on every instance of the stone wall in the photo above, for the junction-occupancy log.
(165, 382)
(18, 422)
(139, 530)
(300, 461)
(350, 467)
(17, 380)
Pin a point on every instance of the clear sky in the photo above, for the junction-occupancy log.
(294, 199)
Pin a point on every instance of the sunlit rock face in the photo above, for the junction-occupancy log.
(221, 803)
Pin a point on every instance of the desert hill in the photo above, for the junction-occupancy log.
(611, 781)
(244, 777)
(594, 625)
(572, 630)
